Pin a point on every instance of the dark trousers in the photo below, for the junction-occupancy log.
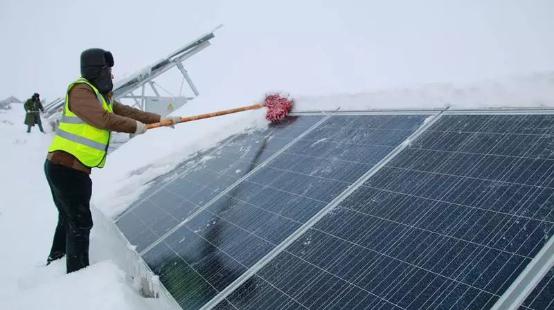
(39, 127)
(71, 190)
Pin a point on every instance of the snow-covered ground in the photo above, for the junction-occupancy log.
(28, 216)
(27, 221)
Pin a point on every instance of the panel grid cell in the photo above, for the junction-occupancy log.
(255, 216)
(449, 223)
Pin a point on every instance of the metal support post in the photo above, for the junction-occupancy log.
(187, 77)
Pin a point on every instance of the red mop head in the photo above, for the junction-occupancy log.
(278, 107)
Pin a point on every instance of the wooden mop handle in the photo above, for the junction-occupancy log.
(207, 115)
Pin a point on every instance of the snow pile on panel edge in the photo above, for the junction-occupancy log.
(534, 90)
(159, 151)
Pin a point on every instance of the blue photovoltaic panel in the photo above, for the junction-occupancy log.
(195, 182)
(140, 228)
(215, 247)
(542, 297)
(449, 223)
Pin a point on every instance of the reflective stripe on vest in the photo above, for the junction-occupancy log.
(75, 136)
(71, 120)
(80, 140)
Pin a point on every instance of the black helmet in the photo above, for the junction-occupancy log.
(35, 95)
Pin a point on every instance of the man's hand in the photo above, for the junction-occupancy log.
(141, 128)
(170, 120)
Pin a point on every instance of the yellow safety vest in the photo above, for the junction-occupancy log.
(75, 136)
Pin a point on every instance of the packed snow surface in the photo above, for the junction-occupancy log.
(27, 221)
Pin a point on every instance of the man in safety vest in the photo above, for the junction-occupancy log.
(81, 143)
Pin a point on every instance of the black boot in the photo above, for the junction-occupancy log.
(77, 248)
(58, 248)
(54, 256)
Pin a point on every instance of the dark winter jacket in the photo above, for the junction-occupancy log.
(32, 107)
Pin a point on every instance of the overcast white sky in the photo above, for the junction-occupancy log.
(303, 47)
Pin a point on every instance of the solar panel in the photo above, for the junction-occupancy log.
(181, 192)
(449, 223)
(220, 243)
(542, 297)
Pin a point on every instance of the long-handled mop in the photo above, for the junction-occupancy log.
(278, 107)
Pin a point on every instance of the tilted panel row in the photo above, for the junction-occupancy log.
(219, 244)
(449, 223)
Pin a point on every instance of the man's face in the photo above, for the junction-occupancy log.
(103, 79)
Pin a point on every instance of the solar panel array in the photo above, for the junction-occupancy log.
(234, 232)
(449, 222)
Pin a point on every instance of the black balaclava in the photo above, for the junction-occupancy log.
(96, 66)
